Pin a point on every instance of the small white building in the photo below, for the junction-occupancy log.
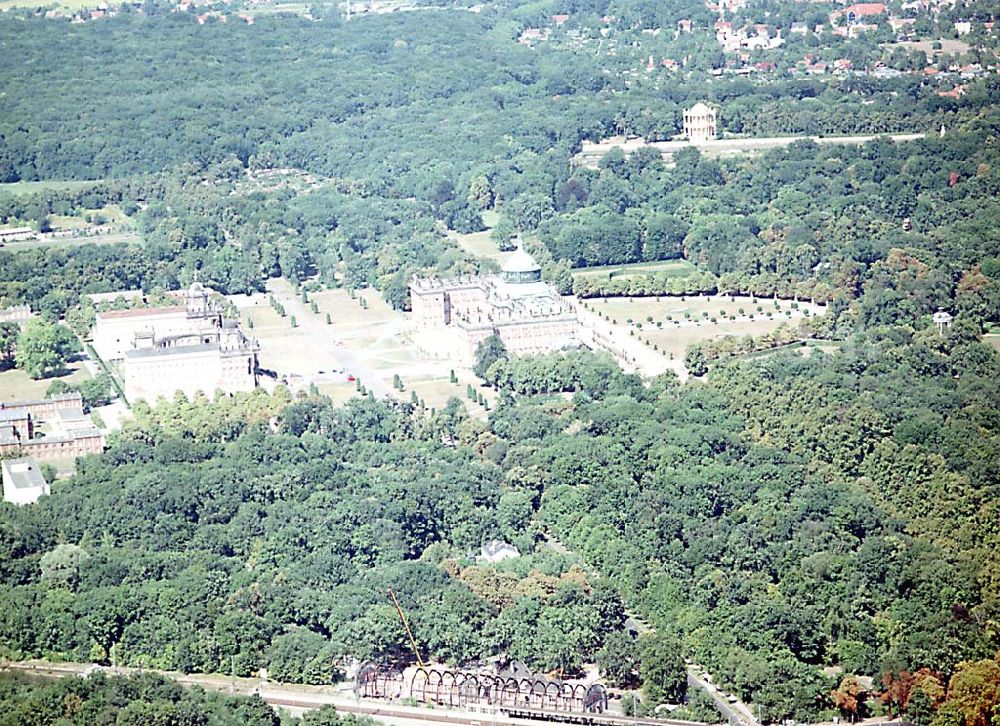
(700, 123)
(496, 550)
(23, 482)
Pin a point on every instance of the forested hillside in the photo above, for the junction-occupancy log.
(480, 123)
(782, 518)
(798, 523)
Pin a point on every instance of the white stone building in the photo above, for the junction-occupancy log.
(526, 313)
(700, 123)
(23, 482)
(186, 349)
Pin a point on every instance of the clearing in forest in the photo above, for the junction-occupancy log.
(376, 339)
(30, 187)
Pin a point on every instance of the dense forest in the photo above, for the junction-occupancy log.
(818, 529)
(782, 517)
(397, 157)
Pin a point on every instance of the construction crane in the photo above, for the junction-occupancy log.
(406, 627)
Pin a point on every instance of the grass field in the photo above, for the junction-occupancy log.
(76, 241)
(479, 244)
(16, 385)
(993, 339)
(29, 187)
(339, 393)
(375, 335)
(672, 268)
(435, 391)
(347, 312)
(282, 347)
(679, 323)
(948, 45)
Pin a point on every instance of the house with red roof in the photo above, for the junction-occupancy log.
(859, 12)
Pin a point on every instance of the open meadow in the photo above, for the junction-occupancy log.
(74, 241)
(671, 268)
(374, 338)
(477, 244)
(30, 187)
(480, 244)
(380, 338)
(16, 385)
(950, 46)
(673, 324)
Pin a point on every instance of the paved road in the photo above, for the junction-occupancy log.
(591, 153)
(735, 713)
(320, 337)
(628, 350)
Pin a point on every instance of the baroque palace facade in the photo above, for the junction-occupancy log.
(526, 313)
(186, 348)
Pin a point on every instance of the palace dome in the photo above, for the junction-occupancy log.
(521, 267)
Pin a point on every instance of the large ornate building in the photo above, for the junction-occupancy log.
(700, 123)
(526, 313)
(186, 348)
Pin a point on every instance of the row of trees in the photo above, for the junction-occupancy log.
(558, 372)
(699, 355)
(642, 284)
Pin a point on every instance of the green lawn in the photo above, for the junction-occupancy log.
(679, 322)
(673, 268)
(478, 244)
(29, 187)
(16, 385)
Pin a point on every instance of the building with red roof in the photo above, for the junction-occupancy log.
(856, 13)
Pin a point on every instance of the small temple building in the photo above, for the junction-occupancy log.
(526, 313)
(700, 123)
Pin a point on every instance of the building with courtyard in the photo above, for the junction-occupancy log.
(181, 348)
(700, 123)
(50, 429)
(454, 316)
